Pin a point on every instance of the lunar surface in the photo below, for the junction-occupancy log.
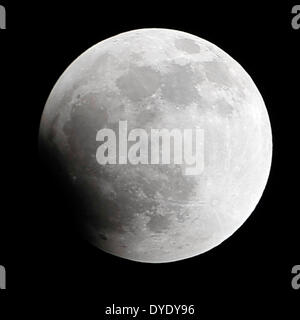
(162, 79)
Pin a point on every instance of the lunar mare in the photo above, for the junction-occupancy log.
(164, 79)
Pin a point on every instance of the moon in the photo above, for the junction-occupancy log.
(162, 79)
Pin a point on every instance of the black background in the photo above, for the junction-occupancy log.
(47, 264)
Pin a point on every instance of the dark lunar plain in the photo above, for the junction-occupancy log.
(51, 271)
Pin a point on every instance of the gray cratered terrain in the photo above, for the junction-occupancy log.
(160, 78)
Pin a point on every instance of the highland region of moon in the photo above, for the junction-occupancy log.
(160, 79)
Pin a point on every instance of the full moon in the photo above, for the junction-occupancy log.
(165, 80)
